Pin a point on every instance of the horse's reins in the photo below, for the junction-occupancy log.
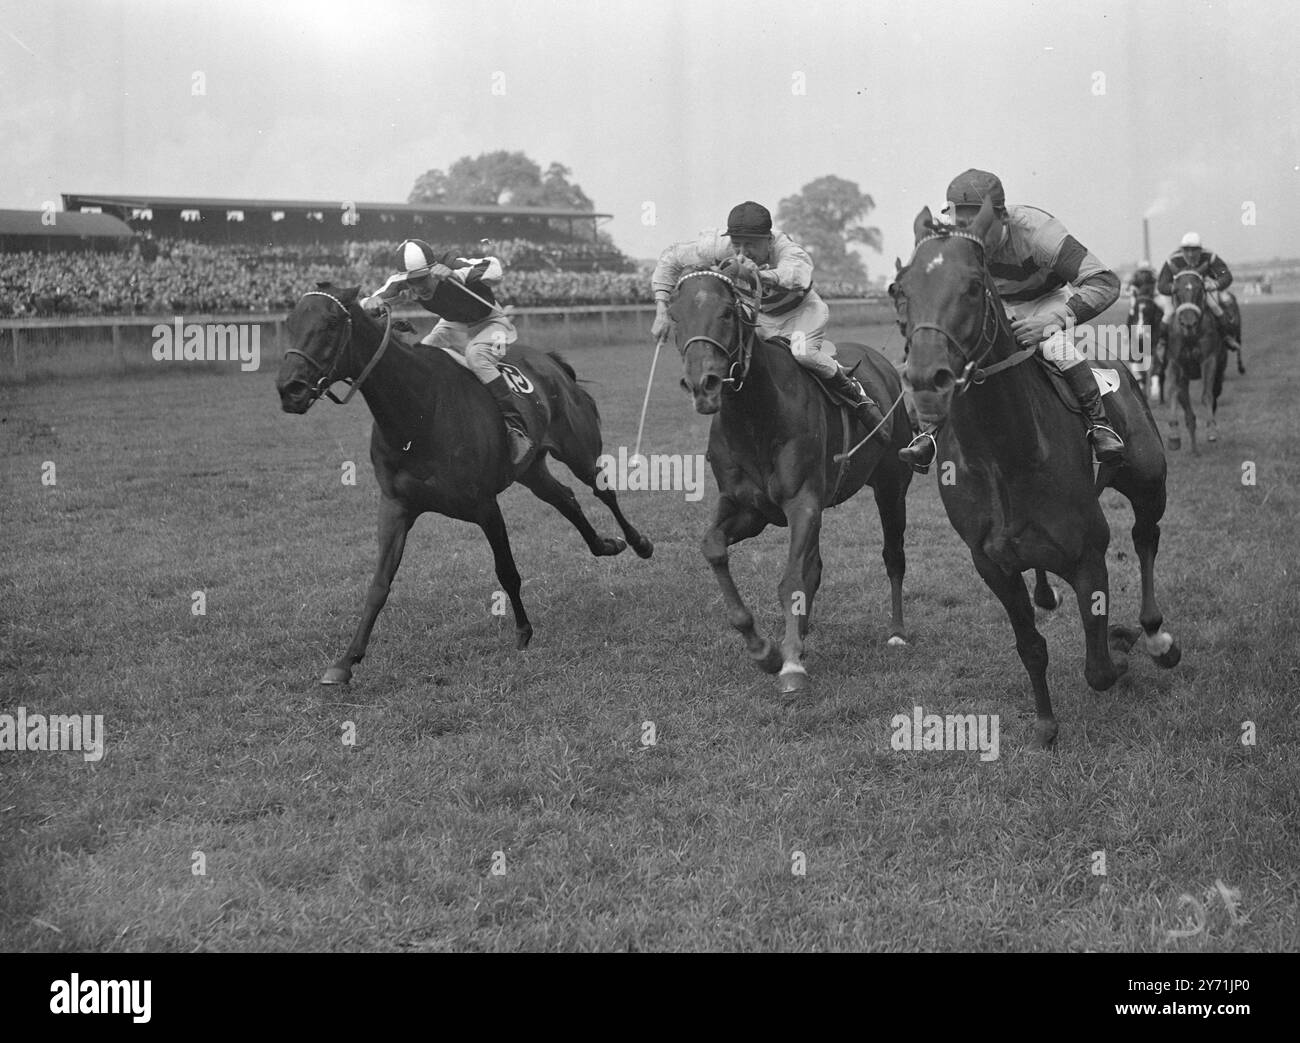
(327, 378)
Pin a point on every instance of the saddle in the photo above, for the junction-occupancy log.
(835, 398)
(1062, 388)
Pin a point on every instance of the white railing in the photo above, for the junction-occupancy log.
(16, 327)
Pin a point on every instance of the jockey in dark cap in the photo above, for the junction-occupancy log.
(1048, 282)
(472, 323)
(789, 307)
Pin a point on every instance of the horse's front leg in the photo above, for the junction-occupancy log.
(797, 586)
(395, 521)
(1091, 585)
(494, 528)
(731, 524)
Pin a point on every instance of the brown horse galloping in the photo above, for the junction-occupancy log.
(1022, 493)
(772, 445)
(1196, 351)
(439, 443)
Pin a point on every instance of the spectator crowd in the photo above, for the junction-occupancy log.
(191, 278)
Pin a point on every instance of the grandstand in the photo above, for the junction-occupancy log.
(283, 222)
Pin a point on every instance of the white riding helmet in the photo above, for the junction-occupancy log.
(1191, 239)
(1145, 266)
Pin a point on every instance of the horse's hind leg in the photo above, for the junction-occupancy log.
(1092, 589)
(1148, 508)
(546, 487)
(1030, 644)
(494, 527)
(731, 524)
(891, 504)
(581, 460)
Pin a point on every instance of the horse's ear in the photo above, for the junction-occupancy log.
(983, 224)
(348, 294)
(921, 226)
(324, 285)
(898, 265)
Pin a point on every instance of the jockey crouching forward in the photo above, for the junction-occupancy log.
(789, 307)
(459, 291)
(1048, 283)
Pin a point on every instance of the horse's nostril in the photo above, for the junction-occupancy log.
(943, 380)
(711, 383)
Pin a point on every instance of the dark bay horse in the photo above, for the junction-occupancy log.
(772, 445)
(1146, 349)
(439, 443)
(1020, 489)
(1196, 351)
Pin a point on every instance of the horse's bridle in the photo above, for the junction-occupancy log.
(738, 362)
(989, 325)
(1184, 306)
(327, 379)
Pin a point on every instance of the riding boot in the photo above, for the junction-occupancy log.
(920, 453)
(865, 407)
(520, 444)
(1105, 439)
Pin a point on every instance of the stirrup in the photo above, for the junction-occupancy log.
(1111, 454)
(914, 449)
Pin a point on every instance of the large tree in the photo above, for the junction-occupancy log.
(500, 179)
(825, 217)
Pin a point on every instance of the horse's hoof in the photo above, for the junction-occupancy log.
(336, 675)
(1055, 602)
(1169, 659)
(1212, 436)
(644, 548)
(769, 661)
(793, 682)
(610, 546)
(522, 636)
(897, 641)
(1045, 734)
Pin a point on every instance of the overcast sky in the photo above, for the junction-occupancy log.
(1097, 112)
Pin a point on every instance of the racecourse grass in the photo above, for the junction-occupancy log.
(220, 741)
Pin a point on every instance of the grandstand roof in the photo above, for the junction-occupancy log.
(29, 222)
(76, 200)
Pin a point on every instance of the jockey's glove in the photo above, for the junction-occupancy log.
(1211, 284)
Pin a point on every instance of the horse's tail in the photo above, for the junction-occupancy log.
(563, 363)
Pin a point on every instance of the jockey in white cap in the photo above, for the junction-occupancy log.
(789, 307)
(1048, 282)
(1191, 255)
(459, 290)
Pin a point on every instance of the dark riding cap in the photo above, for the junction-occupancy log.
(749, 220)
(971, 188)
(415, 254)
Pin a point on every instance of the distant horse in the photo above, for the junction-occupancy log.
(773, 445)
(439, 443)
(1146, 349)
(1196, 351)
(1019, 486)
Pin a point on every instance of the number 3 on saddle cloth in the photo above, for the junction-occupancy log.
(521, 379)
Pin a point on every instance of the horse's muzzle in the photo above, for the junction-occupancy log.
(296, 397)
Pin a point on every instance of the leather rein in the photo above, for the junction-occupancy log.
(327, 379)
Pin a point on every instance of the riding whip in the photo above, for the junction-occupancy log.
(659, 343)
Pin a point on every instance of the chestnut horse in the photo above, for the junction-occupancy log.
(777, 447)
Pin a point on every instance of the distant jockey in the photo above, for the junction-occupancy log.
(1142, 287)
(790, 307)
(477, 329)
(1048, 282)
(1191, 255)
